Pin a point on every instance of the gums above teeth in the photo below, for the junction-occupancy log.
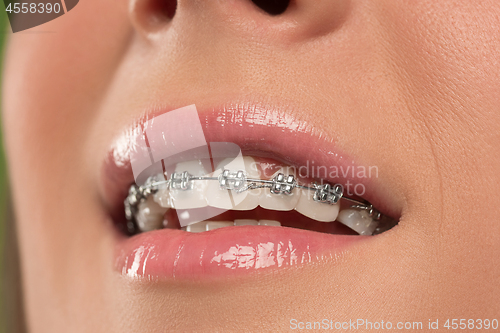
(189, 187)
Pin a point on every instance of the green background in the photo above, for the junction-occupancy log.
(4, 32)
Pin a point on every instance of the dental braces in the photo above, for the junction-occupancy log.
(238, 182)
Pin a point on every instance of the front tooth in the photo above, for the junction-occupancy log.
(271, 223)
(318, 211)
(194, 197)
(358, 220)
(217, 197)
(212, 225)
(220, 198)
(283, 202)
(245, 222)
(150, 215)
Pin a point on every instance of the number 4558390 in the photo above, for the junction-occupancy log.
(478, 324)
(33, 8)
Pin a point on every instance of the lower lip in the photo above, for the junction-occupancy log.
(233, 251)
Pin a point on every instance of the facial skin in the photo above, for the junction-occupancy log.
(409, 86)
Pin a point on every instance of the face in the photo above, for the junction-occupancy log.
(408, 87)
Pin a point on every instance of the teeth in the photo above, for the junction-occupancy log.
(283, 202)
(270, 223)
(150, 215)
(212, 225)
(357, 220)
(245, 222)
(208, 192)
(196, 196)
(316, 210)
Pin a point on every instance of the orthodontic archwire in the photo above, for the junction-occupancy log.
(238, 182)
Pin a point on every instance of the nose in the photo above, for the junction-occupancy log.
(275, 20)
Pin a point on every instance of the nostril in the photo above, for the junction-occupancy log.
(151, 15)
(164, 8)
(272, 7)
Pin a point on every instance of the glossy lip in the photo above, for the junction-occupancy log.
(261, 131)
(226, 252)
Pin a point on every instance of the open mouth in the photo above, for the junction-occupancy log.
(246, 197)
(199, 217)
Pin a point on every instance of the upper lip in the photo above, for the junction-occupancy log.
(259, 131)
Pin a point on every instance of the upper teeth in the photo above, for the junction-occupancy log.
(282, 193)
(208, 193)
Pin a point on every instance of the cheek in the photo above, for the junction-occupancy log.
(56, 75)
(54, 79)
(448, 53)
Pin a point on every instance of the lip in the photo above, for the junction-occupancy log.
(257, 130)
(235, 251)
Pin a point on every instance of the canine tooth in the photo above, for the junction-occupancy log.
(245, 222)
(316, 210)
(357, 220)
(248, 200)
(212, 225)
(270, 223)
(196, 227)
(162, 196)
(283, 202)
(150, 215)
(196, 196)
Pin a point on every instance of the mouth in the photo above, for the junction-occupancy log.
(188, 200)
(268, 204)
